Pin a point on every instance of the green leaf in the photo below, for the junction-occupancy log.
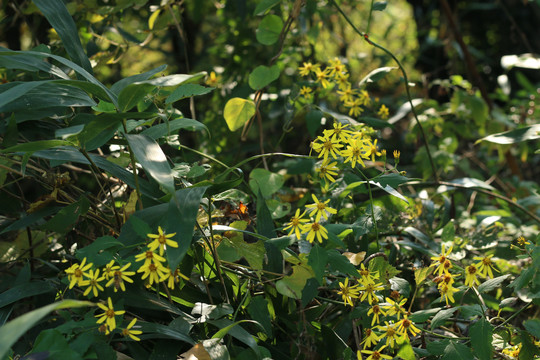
(340, 263)
(47, 94)
(163, 331)
(448, 232)
(264, 6)
(317, 259)
(79, 70)
(406, 351)
(376, 75)
(237, 112)
(182, 221)
(152, 159)
(36, 146)
(472, 183)
(292, 285)
(160, 130)
(526, 133)
(379, 6)
(132, 94)
(269, 30)
(98, 131)
(262, 75)
(389, 190)
(30, 63)
(421, 316)
(55, 345)
(383, 267)
(66, 218)
(533, 327)
(15, 92)
(482, 336)
(118, 86)
(187, 90)
(457, 351)
(492, 284)
(71, 154)
(253, 252)
(258, 310)
(58, 16)
(441, 317)
(24, 290)
(268, 182)
(421, 274)
(10, 332)
(94, 253)
(236, 331)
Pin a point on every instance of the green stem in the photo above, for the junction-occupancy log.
(369, 17)
(372, 205)
(512, 316)
(405, 79)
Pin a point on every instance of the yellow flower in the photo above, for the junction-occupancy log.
(338, 132)
(369, 292)
(315, 230)
(367, 277)
(172, 277)
(296, 224)
(485, 266)
(397, 154)
(76, 273)
(522, 242)
(306, 92)
(93, 283)
(364, 97)
(347, 94)
(336, 67)
(406, 326)
(395, 308)
(161, 240)
(307, 68)
(374, 151)
(441, 262)
(342, 80)
(322, 77)
(471, 276)
(118, 276)
(371, 338)
(376, 354)
(327, 170)
(132, 333)
(148, 257)
(320, 209)
(107, 271)
(383, 112)
(108, 315)
(348, 292)
(356, 150)
(376, 311)
(447, 293)
(327, 146)
(153, 271)
(213, 79)
(390, 333)
(355, 107)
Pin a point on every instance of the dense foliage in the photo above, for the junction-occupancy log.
(264, 179)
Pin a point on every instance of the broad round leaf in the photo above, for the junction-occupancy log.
(262, 76)
(237, 112)
(269, 30)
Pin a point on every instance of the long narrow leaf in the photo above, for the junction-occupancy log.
(152, 159)
(10, 332)
(118, 86)
(58, 16)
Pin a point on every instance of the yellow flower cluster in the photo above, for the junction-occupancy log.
(336, 73)
(397, 326)
(445, 279)
(115, 275)
(312, 227)
(346, 145)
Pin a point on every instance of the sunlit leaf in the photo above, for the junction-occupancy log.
(237, 112)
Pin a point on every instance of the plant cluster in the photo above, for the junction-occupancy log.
(128, 236)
